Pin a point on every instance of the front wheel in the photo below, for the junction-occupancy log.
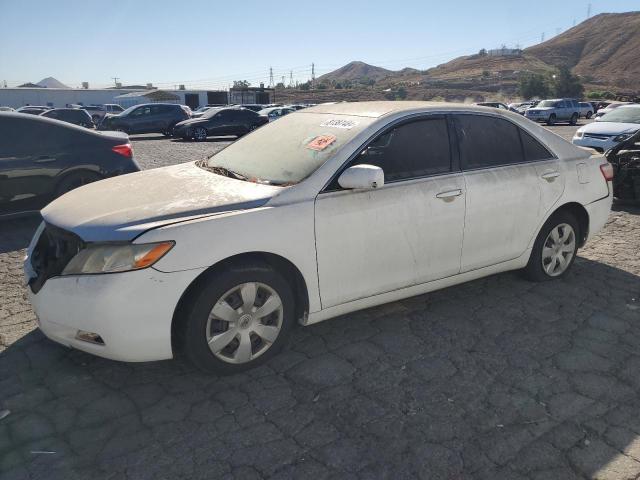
(199, 134)
(555, 248)
(552, 119)
(237, 319)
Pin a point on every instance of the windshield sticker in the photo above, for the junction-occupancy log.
(321, 142)
(336, 123)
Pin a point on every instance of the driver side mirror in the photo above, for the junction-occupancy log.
(362, 177)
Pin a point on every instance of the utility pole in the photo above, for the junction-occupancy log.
(270, 76)
(313, 75)
(291, 78)
(115, 81)
(542, 38)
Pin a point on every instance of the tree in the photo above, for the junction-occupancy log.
(533, 85)
(401, 93)
(565, 84)
(305, 86)
(482, 52)
(241, 84)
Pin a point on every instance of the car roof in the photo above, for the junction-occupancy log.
(378, 109)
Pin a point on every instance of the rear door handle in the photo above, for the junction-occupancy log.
(449, 194)
(550, 176)
(44, 160)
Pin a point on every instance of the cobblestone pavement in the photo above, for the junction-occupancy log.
(494, 379)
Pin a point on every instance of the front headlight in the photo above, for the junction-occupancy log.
(109, 258)
(579, 134)
(623, 137)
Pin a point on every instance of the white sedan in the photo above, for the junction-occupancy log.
(328, 210)
(609, 130)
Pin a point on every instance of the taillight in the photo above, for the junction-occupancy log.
(607, 171)
(125, 150)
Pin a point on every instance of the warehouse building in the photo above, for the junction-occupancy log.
(126, 97)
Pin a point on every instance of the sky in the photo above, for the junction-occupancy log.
(209, 44)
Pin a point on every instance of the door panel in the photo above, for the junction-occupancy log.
(374, 241)
(502, 214)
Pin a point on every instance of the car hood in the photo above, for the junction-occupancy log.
(191, 121)
(123, 207)
(610, 128)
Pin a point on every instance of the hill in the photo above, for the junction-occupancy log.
(51, 82)
(356, 71)
(604, 49)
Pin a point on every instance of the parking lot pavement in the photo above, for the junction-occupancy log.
(494, 379)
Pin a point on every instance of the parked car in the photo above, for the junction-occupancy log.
(256, 107)
(70, 115)
(616, 126)
(219, 122)
(146, 118)
(331, 210)
(275, 113)
(498, 105)
(586, 109)
(625, 158)
(98, 112)
(200, 111)
(42, 158)
(33, 109)
(297, 106)
(556, 110)
(609, 108)
(7, 109)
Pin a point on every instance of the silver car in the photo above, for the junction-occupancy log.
(556, 110)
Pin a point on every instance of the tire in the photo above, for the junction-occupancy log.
(552, 119)
(199, 134)
(549, 246)
(221, 295)
(574, 119)
(169, 131)
(589, 115)
(75, 180)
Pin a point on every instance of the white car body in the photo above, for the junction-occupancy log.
(601, 136)
(353, 249)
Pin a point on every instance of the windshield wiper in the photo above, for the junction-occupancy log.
(225, 172)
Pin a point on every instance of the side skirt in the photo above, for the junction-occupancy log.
(414, 290)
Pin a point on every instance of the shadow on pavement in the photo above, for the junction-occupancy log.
(497, 378)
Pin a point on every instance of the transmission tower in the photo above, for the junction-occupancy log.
(115, 80)
(270, 76)
(291, 78)
(313, 75)
(589, 11)
(542, 37)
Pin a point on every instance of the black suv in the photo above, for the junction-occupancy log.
(218, 122)
(146, 118)
(70, 115)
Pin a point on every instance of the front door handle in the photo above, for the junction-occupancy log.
(449, 195)
(550, 176)
(44, 160)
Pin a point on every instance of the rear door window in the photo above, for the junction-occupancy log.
(486, 141)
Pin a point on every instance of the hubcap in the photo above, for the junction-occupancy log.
(244, 322)
(558, 249)
(200, 133)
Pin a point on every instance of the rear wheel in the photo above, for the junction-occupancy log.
(237, 319)
(589, 114)
(552, 119)
(75, 180)
(555, 248)
(574, 119)
(199, 134)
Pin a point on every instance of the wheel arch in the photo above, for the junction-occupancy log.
(291, 273)
(68, 172)
(581, 215)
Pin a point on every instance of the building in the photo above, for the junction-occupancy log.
(242, 95)
(505, 52)
(62, 97)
